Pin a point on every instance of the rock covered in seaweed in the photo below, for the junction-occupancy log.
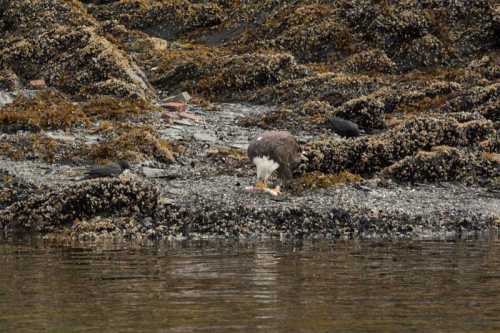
(368, 155)
(165, 19)
(331, 87)
(444, 163)
(14, 189)
(484, 100)
(57, 41)
(54, 209)
(232, 76)
(364, 111)
(370, 61)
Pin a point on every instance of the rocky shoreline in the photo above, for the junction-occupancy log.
(202, 195)
(85, 82)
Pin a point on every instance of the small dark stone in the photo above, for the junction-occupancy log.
(343, 127)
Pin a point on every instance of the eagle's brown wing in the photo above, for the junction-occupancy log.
(281, 147)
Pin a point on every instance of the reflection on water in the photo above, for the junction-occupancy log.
(269, 287)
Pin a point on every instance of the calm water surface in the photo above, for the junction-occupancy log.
(419, 286)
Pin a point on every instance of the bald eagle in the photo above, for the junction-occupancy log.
(274, 151)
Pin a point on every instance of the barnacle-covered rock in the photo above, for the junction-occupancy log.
(304, 116)
(135, 144)
(484, 100)
(364, 111)
(464, 117)
(411, 98)
(165, 19)
(310, 32)
(57, 41)
(367, 155)
(443, 163)
(429, 70)
(370, 61)
(330, 87)
(425, 51)
(240, 74)
(57, 208)
(14, 189)
(146, 50)
(419, 33)
(9, 80)
(39, 146)
(232, 76)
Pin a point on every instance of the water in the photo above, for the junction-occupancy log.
(421, 286)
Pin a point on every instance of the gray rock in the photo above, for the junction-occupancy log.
(5, 98)
(205, 136)
(153, 172)
(160, 173)
(182, 97)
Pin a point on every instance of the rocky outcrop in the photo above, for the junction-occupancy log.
(232, 77)
(333, 88)
(164, 19)
(57, 41)
(370, 154)
(54, 209)
(443, 164)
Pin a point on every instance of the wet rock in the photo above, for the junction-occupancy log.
(205, 136)
(160, 173)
